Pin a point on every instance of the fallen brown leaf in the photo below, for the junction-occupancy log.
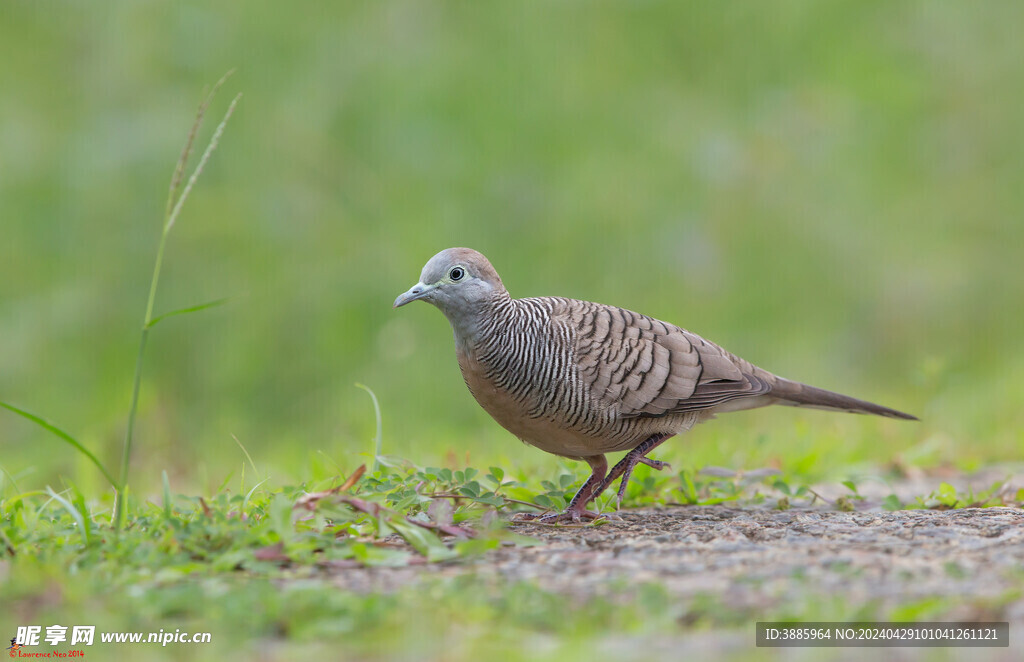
(353, 479)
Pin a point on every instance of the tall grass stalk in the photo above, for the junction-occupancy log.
(171, 213)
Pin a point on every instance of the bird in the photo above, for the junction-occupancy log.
(581, 379)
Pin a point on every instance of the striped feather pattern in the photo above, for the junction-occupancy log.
(580, 379)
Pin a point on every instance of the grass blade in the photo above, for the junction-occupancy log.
(378, 440)
(79, 503)
(167, 495)
(185, 311)
(247, 456)
(14, 483)
(245, 501)
(74, 512)
(46, 425)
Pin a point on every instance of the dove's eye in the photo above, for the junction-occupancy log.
(456, 274)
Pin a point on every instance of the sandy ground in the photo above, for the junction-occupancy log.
(760, 559)
(968, 564)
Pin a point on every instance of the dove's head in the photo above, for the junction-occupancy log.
(458, 281)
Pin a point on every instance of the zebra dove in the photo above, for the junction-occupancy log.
(581, 379)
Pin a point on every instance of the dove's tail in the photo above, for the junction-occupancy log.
(796, 394)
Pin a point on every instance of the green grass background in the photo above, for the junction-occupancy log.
(832, 190)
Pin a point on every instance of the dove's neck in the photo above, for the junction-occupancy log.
(475, 323)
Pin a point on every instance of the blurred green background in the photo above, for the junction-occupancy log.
(831, 190)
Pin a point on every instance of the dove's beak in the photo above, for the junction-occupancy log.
(417, 291)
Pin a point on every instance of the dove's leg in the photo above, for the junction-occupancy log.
(625, 466)
(578, 506)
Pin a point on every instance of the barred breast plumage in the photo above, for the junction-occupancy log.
(581, 379)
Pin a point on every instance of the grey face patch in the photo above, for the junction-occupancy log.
(438, 267)
(460, 298)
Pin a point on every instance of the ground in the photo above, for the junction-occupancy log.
(741, 565)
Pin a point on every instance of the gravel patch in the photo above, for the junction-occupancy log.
(756, 561)
(759, 558)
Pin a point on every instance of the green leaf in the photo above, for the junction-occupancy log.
(379, 556)
(280, 515)
(423, 541)
(892, 502)
(185, 311)
(714, 501)
(947, 494)
(43, 423)
(491, 499)
(850, 485)
(471, 489)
